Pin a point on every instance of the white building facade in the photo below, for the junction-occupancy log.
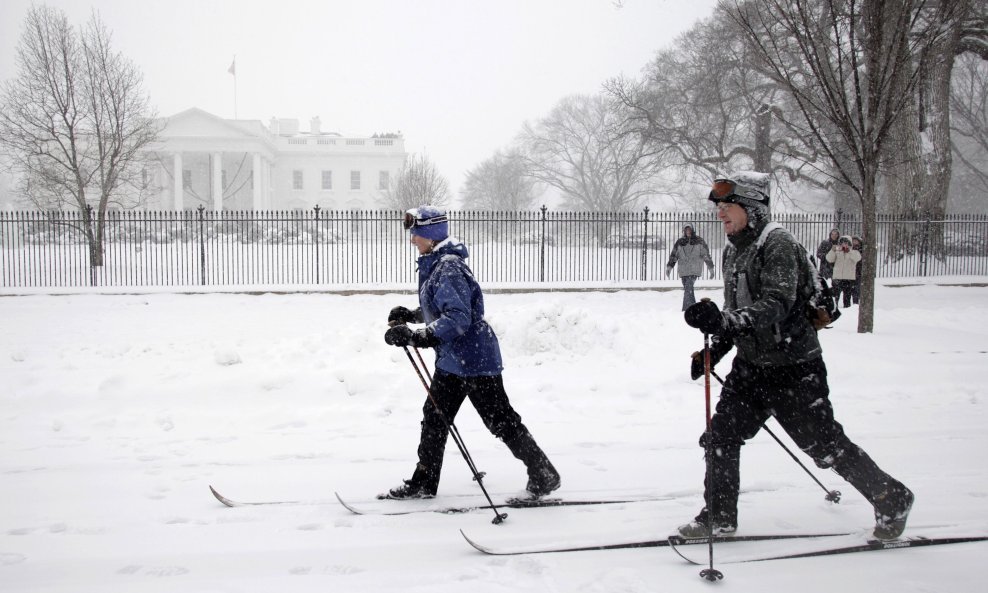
(204, 160)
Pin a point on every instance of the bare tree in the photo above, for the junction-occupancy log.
(969, 129)
(707, 108)
(840, 60)
(918, 169)
(417, 182)
(74, 121)
(580, 150)
(501, 182)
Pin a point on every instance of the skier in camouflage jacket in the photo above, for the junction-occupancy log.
(778, 369)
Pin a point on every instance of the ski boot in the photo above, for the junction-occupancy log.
(891, 511)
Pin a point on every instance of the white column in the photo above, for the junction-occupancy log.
(179, 182)
(161, 178)
(218, 181)
(258, 189)
(268, 185)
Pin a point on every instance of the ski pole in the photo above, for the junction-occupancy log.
(451, 428)
(710, 573)
(455, 432)
(424, 367)
(832, 495)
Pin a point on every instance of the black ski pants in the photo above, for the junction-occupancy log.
(798, 397)
(844, 290)
(488, 397)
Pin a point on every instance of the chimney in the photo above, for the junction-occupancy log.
(273, 125)
(315, 126)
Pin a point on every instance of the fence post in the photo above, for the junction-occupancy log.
(90, 234)
(542, 240)
(202, 244)
(315, 239)
(645, 244)
(924, 247)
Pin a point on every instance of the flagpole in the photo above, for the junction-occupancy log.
(233, 70)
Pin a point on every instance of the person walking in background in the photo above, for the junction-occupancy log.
(778, 369)
(690, 252)
(844, 261)
(468, 359)
(857, 244)
(826, 269)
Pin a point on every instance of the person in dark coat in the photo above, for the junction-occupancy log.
(690, 252)
(826, 268)
(778, 368)
(857, 244)
(468, 359)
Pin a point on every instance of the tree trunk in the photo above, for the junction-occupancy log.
(918, 175)
(866, 307)
(904, 182)
(934, 91)
(763, 136)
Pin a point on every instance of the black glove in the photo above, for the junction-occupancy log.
(401, 335)
(719, 347)
(403, 315)
(705, 316)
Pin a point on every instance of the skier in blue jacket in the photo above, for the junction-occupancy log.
(468, 358)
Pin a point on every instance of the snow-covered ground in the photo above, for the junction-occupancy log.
(118, 411)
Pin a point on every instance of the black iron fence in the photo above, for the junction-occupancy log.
(365, 248)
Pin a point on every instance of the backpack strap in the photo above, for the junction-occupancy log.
(772, 226)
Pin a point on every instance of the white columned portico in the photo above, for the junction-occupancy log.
(256, 177)
(217, 181)
(179, 182)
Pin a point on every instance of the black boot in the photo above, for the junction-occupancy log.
(421, 485)
(701, 526)
(891, 511)
(722, 483)
(542, 476)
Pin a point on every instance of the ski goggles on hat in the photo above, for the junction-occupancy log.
(724, 189)
(412, 219)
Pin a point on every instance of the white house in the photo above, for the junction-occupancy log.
(227, 164)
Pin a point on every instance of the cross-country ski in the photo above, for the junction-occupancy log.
(449, 505)
(516, 550)
(733, 554)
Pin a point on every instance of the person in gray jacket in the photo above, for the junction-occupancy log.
(690, 253)
(778, 369)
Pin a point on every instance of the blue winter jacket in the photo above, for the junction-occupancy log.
(453, 307)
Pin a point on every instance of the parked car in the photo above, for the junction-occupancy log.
(965, 243)
(533, 238)
(634, 241)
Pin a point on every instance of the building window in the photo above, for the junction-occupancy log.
(297, 179)
(327, 180)
(384, 180)
(354, 179)
(186, 178)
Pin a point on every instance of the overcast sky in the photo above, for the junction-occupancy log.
(456, 77)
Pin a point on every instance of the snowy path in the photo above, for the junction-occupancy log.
(117, 412)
